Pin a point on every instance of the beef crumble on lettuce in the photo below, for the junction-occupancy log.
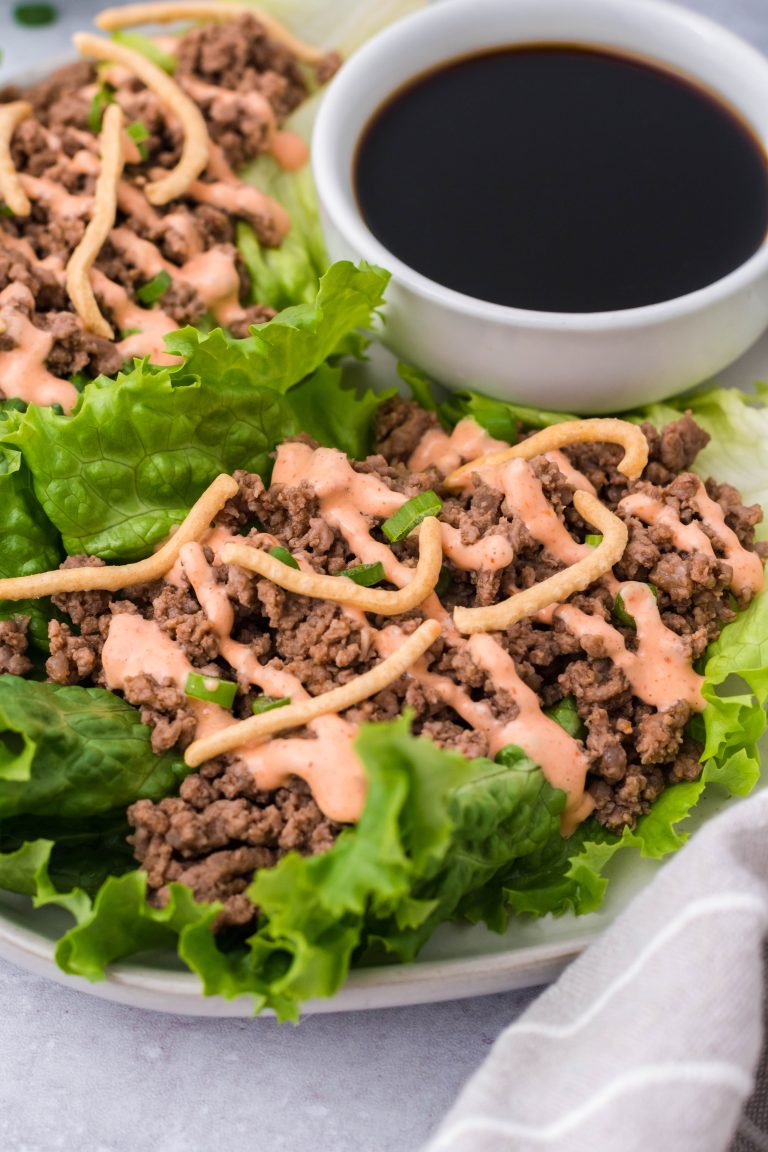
(150, 269)
(292, 895)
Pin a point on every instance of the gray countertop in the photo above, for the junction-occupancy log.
(81, 1074)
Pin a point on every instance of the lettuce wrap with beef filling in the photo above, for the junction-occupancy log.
(449, 828)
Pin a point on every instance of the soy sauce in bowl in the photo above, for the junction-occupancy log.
(560, 178)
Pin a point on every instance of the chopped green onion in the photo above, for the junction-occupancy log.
(211, 689)
(6, 210)
(267, 703)
(35, 15)
(154, 288)
(365, 574)
(620, 611)
(411, 515)
(148, 48)
(567, 716)
(126, 332)
(101, 98)
(593, 541)
(283, 555)
(139, 132)
(444, 580)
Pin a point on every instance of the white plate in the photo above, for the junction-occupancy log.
(457, 962)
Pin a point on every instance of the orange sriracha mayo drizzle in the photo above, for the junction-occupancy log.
(659, 671)
(22, 368)
(213, 273)
(748, 576)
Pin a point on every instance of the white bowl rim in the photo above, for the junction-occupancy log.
(330, 180)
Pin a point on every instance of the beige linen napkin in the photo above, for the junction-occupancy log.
(649, 1042)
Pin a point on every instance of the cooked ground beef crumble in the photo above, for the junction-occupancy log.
(219, 66)
(219, 829)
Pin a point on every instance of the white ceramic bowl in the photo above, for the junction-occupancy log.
(584, 362)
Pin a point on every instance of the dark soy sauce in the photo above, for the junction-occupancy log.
(561, 178)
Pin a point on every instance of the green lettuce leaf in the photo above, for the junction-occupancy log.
(290, 274)
(738, 424)
(30, 542)
(295, 343)
(72, 752)
(334, 413)
(119, 473)
(435, 829)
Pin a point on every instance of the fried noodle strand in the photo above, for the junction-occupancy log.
(162, 13)
(257, 728)
(605, 430)
(196, 146)
(557, 588)
(343, 591)
(11, 191)
(100, 225)
(110, 578)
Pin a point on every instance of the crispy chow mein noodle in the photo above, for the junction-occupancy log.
(557, 588)
(341, 591)
(113, 577)
(196, 147)
(101, 223)
(131, 15)
(606, 430)
(257, 728)
(11, 191)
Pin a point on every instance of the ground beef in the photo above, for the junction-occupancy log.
(220, 828)
(399, 428)
(13, 646)
(164, 709)
(218, 831)
(239, 56)
(229, 69)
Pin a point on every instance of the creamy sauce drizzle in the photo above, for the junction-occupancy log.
(659, 672)
(22, 369)
(747, 568)
(446, 452)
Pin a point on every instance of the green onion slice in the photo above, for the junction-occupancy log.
(154, 288)
(283, 555)
(211, 689)
(35, 15)
(444, 580)
(139, 132)
(411, 515)
(102, 97)
(126, 332)
(6, 210)
(620, 611)
(567, 716)
(268, 703)
(148, 48)
(365, 574)
(593, 541)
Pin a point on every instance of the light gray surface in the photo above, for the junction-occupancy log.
(79, 1074)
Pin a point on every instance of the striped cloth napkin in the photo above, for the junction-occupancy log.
(651, 1041)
